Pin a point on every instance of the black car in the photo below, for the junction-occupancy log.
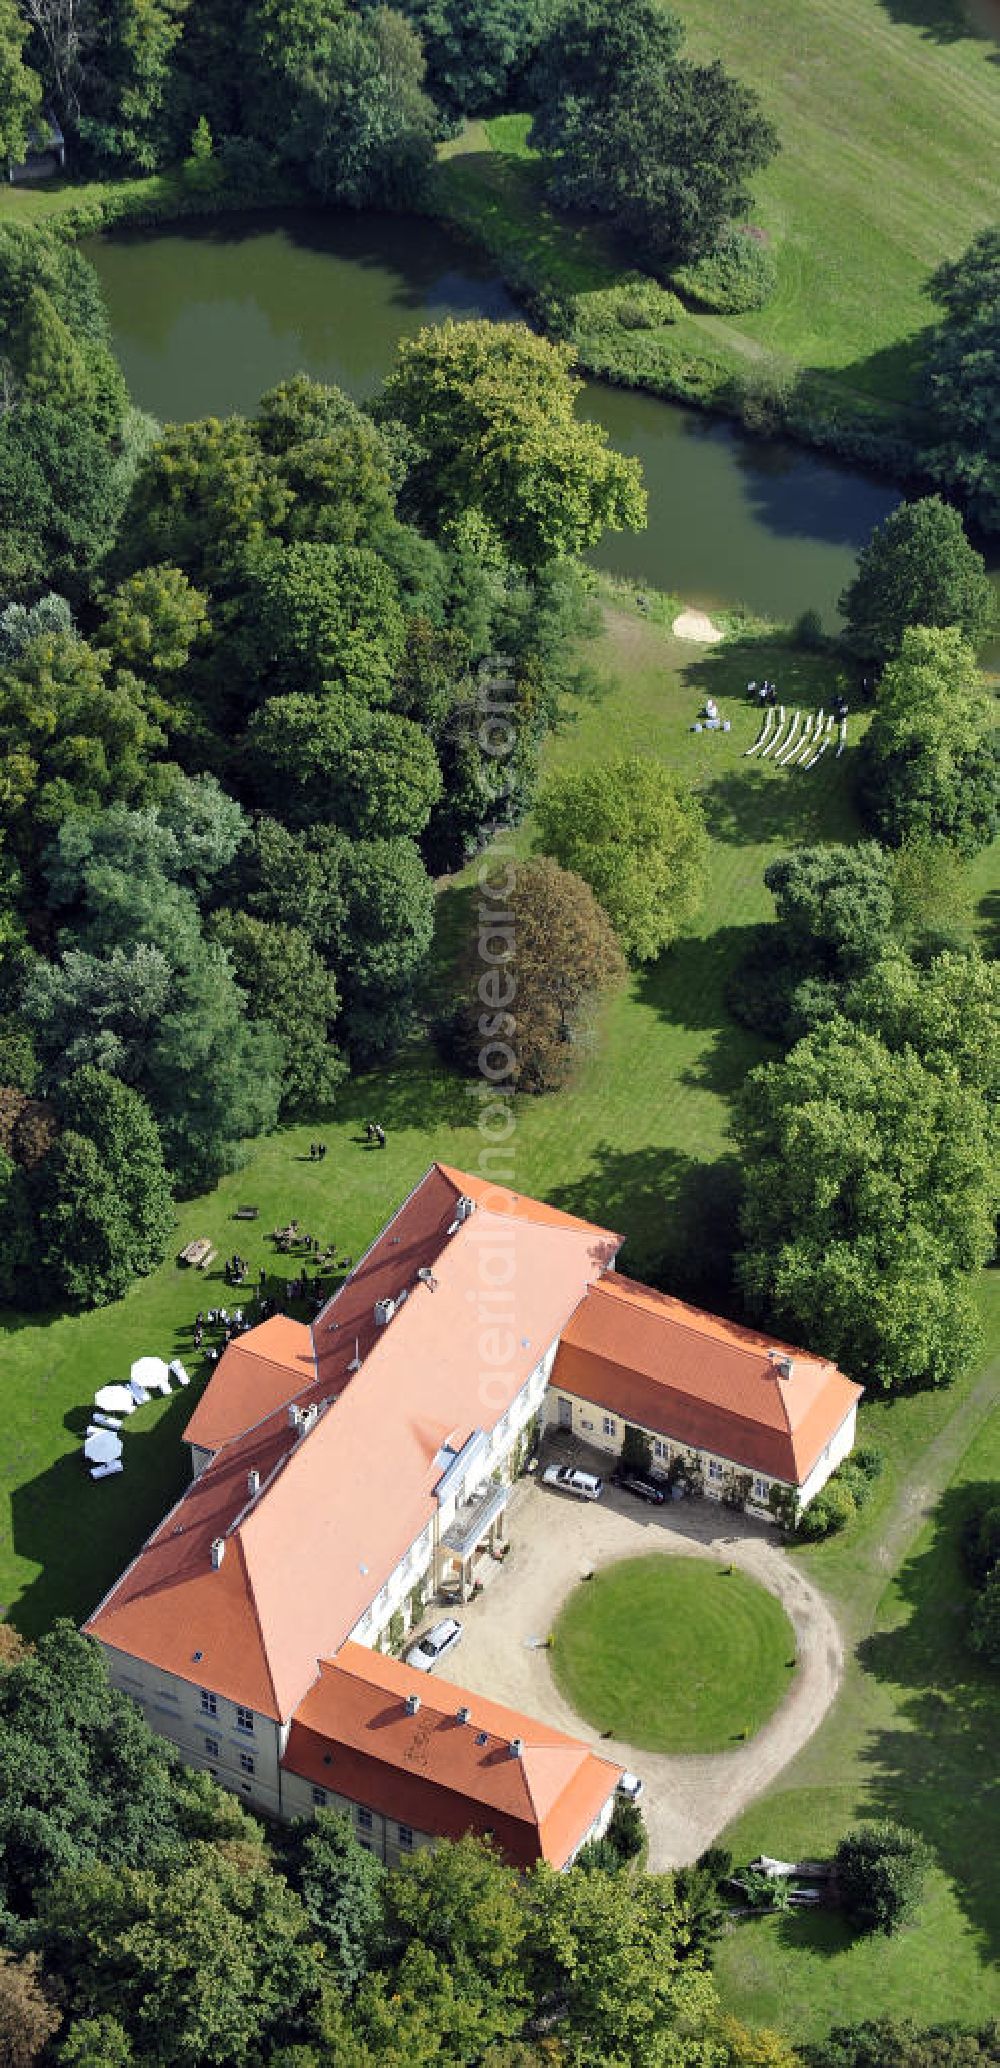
(638, 1484)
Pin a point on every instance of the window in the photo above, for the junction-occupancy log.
(760, 1489)
(246, 1762)
(209, 1703)
(714, 1469)
(661, 1449)
(405, 1837)
(319, 1798)
(609, 1425)
(365, 1844)
(364, 1820)
(244, 1719)
(212, 1747)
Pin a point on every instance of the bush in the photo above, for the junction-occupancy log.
(626, 1831)
(880, 1871)
(868, 1459)
(738, 275)
(808, 631)
(637, 1451)
(829, 1513)
(636, 304)
(764, 395)
(716, 1861)
(856, 1483)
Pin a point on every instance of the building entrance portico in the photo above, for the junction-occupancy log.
(477, 1532)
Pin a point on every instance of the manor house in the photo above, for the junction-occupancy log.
(346, 1471)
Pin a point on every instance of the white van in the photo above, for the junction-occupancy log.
(585, 1485)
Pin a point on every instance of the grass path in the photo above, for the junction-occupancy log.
(913, 1735)
(890, 134)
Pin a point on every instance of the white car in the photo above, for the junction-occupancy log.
(630, 1787)
(570, 1480)
(435, 1646)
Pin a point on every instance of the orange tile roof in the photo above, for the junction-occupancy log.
(353, 1736)
(703, 1381)
(330, 1526)
(258, 1372)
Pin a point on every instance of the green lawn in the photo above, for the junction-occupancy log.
(674, 1654)
(913, 1735)
(889, 118)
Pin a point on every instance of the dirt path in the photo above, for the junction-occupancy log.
(554, 1541)
(943, 1454)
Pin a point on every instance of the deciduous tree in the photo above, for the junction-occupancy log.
(960, 375)
(342, 1888)
(20, 87)
(28, 2016)
(918, 568)
(662, 146)
(541, 951)
(869, 1190)
(491, 406)
(152, 621)
(281, 972)
(610, 1969)
(880, 1870)
(930, 756)
(637, 836)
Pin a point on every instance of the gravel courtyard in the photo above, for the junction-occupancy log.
(555, 1540)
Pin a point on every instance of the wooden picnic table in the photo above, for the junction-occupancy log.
(200, 1252)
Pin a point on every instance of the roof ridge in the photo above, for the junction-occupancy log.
(376, 1239)
(758, 1338)
(566, 1223)
(252, 1598)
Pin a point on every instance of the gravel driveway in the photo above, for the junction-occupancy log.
(554, 1541)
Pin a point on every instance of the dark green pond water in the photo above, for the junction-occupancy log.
(207, 316)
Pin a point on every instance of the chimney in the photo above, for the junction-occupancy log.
(412, 1704)
(218, 1552)
(516, 1747)
(293, 1415)
(463, 1715)
(253, 1483)
(465, 1207)
(384, 1311)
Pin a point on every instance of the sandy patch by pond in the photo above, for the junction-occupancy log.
(695, 624)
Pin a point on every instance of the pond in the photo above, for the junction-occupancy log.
(206, 316)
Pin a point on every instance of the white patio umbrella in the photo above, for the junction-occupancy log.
(103, 1448)
(152, 1373)
(115, 1400)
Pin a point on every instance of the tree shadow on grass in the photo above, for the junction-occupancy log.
(941, 21)
(749, 804)
(988, 918)
(80, 1532)
(679, 1217)
(936, 1769)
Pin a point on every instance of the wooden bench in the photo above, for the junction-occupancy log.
(247, 1213)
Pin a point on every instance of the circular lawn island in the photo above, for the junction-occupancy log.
(673, 1654)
